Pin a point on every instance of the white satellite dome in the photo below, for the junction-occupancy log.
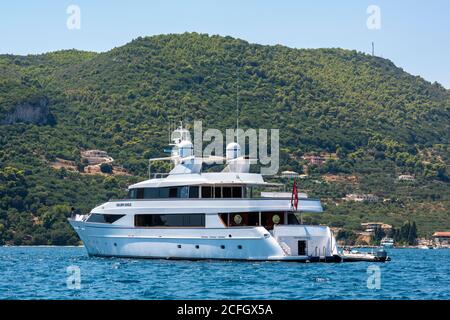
(185, 149)
(233, 150)
(179, 135)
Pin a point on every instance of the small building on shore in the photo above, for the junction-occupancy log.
(94, 157)
(371, 227)
(441, 237)
(314, 159)
(406, 177)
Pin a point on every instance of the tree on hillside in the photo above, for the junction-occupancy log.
(412, 236)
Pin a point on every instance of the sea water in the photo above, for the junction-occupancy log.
(68, 273)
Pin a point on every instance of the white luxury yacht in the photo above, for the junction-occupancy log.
(190, 214)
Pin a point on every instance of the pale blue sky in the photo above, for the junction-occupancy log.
(415, 35)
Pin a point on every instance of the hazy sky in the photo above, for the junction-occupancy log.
(415, 35)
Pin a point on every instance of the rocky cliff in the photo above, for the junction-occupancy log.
(35, 111)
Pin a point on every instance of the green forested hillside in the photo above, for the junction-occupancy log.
(378, 119)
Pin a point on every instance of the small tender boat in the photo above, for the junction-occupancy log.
(354, 256)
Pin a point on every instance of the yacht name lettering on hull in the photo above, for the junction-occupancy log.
(123, 204)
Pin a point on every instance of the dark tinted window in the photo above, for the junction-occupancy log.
(292, 219)
(151, 193)
(140, 193)
(186, 192)
(218, 192)
(157, 193)
(173, 192)
(169, 220)
(240, 219)
(237, 192)
(163, 192)
(104, 218)
(226, 192)
(269, 219)
(207, 192)
(193, 192)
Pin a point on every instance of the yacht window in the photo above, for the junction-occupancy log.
(240, 219)
(253, 219)
(173, 192)
(249, 192)
(183, 192)
(292, 218)
(104, 218)
(193, 192)
(206, 192)
(188, 192)
(157, 193)
(163, 192)
(237, 192)
(224, 218)
(151, 193)
(169, 220)
(226, 192)
(269, 219)
(132, 194)
(217, 192)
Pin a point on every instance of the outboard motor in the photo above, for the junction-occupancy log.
(381, 255)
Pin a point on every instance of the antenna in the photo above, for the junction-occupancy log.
(237, 106)
(373, 48)
(170, 125)
(181, 113)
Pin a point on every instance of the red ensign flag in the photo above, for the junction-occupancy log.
(294, 197)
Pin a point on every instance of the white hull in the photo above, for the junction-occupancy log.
(237, 243)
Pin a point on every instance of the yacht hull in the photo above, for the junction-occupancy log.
(239, 243)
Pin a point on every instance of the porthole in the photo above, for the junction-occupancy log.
(222, 247)
(197, 246)
(115, 244)
(239, 247)
(237, 219)
(179, 246)
(276, 219)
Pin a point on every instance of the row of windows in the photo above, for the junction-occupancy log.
(169, 220)
(154, 220)
(266, 219)
(187, 192)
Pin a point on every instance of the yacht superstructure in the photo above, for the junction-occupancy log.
(190, 214)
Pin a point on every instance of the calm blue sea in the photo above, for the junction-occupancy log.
(42, 273)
